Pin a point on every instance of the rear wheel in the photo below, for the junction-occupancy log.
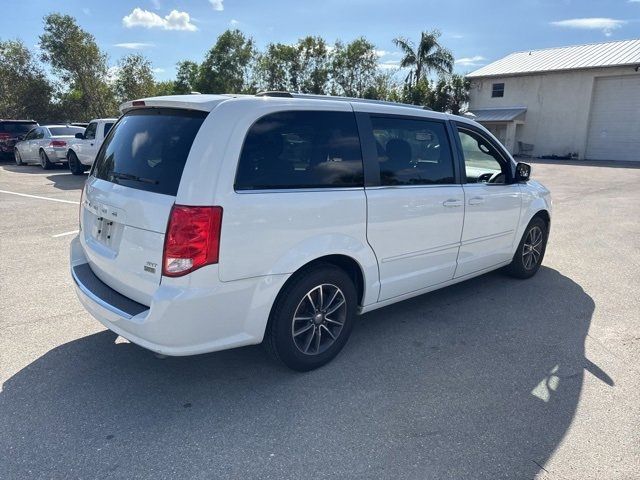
(44, 161)
(528, 257)
(75, 166)
(17, 157)
(312, 318)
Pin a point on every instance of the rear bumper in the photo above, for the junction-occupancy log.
(56, 154)
(183, 319)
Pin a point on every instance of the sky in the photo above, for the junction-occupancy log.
(476, 31)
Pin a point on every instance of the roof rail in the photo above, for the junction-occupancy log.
(312, 96)
(274, 93)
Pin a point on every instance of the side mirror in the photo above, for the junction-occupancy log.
(523, 172)
(80, 136)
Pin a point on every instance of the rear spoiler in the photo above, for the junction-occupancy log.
(204, 103)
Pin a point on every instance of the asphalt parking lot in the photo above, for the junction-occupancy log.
(492, 378)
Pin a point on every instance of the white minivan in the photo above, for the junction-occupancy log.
(214, 221)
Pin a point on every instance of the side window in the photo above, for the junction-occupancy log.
(301, 149)
(107, 127)
(90, 132)
(412, 152)
(483, 163)
(39, 133)
(32, 134)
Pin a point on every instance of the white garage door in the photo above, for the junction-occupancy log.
(614, 128)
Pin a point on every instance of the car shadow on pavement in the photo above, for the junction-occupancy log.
(479, 380)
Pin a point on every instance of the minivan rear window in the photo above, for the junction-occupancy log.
(16, 127)
(147, 149)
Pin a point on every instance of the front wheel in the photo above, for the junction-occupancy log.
(528, 257)
(312, 318)
(44, 161)
(75, 166)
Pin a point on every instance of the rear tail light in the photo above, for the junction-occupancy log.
(5, 136)
(192, 240)
(58, 143)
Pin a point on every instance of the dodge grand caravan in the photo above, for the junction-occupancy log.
(213, 221)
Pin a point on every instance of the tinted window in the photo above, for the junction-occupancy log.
(18, 128)
(301, 150)
(483, 163)
(497, 90)
(31, 135)
(147, 149)
(39, 133)
(90, 132)
(412, 152)
(70, 131)
(107, 127)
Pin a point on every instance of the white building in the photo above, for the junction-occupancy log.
(581, 100)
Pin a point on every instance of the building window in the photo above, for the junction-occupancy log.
(497, 90)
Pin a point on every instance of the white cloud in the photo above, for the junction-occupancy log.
(217, 5)
(389, 65)
(134, 45)
(470, 61)
(381, 53)
(157, 70)
(144, 18)
(607, 25)
(234, 22)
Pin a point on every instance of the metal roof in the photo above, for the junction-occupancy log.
(593, 55)
(506, 114)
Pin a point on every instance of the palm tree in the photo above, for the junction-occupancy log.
(429, 56)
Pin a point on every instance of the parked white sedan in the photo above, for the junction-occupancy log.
(45, 145)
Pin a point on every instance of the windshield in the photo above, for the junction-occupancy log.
(69, 131)
(147, 149)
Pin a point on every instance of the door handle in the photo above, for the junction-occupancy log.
(476, 200)
(452, 203)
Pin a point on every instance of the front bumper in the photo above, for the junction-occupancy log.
(182, 319)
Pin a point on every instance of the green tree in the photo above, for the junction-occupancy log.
(313, 58)
(134, 78)
(384, 87)
(353, 67)
(187, 77)
(25, 91)
(428, 56)
(278, 68)
(166, 87)
(81, 66)
(459, 93)
(227, 65)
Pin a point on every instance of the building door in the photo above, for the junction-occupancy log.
(615, 119)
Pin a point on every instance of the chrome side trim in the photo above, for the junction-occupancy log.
(97, 299)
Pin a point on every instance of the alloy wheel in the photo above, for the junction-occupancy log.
(532, 248)
(319, 319)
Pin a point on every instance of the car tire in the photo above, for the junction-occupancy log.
(75, 166)
(312, 318)
(44, 161)
(530, 253)
(18, 157)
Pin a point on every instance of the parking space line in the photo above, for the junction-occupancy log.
(65, 233)
(40, 198)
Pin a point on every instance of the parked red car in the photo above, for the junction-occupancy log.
(11, 132)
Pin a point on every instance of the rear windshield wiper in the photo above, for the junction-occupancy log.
(135, 178)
